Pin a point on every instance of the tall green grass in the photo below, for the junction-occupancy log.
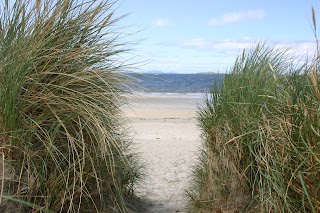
(61, 89)
(260, 129)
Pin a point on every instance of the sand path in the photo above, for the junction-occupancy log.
(167, 137)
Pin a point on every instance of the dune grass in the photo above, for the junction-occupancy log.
(260, 129)
(61, 88)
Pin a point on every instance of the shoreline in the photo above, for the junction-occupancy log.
(170, 95)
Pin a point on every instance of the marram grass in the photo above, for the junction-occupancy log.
(61, 88)
(261, 150)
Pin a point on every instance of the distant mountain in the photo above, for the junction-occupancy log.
(215, 73)
(157, 72)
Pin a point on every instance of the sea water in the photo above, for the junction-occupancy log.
(176, 84)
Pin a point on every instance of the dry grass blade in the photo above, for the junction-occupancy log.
(314, 19)
(314, 81)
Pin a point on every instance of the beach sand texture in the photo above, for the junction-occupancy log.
(167, 137)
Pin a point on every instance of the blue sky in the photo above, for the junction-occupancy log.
(207, 35)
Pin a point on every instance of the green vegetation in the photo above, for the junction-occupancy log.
(61, 88)
(261, 133)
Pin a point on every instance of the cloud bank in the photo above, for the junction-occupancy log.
(202, 43)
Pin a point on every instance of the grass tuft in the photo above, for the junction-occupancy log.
(61, 88)
(260, 149)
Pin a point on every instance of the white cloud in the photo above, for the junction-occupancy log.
(230, 18)
(161, 22)
(296, 48)
(207, 44)
(200, 43)
(299, 48)
(201, 54)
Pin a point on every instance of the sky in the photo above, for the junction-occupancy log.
(184, 36)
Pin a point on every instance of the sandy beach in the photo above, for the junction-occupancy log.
(167, 137)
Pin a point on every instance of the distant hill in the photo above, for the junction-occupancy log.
(157, 72)
(215, 73)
